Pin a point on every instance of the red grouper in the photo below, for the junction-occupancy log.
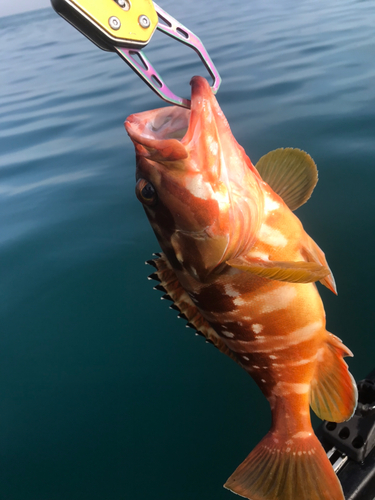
(239, 266)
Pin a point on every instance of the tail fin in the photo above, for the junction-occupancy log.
(294, 469)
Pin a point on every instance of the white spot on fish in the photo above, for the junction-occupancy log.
(256, 367)
(277, 299)
(197, 187)
(259, 255)
(230, 291)
(230, 335)
(270, 205)
(290, 441)
(306, 332)
(222, 197)
(272, 236)
(268, 344)
(194, 271)
(245, 357)
(320, 354)
(272, 357)
(302, 435)
(282, 388)
(179, 256)
(263, 380)
(257, 328)
(214, 146)
(300, 453)
(225, 327)
(239, 301)
(287, 450)
(297, 363)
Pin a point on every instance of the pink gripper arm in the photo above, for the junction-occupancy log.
(141, 65)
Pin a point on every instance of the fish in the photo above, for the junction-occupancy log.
(238, 265)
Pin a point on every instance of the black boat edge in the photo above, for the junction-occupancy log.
(350, 445)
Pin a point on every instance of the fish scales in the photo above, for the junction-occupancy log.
(240, 267)
(285, 335)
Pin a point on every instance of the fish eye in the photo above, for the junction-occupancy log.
(146, 192)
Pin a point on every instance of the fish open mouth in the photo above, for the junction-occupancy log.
(168, 123)
(172, 122)
(161, 124)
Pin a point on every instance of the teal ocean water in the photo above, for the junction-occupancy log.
(104, 394)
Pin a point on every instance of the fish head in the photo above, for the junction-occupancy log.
(200, 191)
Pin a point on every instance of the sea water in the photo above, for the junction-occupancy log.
(104, 394)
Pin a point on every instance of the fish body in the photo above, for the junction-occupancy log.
(240, 267)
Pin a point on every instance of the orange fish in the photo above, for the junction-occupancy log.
(239, 266)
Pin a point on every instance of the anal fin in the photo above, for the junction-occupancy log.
(286, 469)
(333, 395)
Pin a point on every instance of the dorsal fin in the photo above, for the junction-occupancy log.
(291, 173)
(169, 283)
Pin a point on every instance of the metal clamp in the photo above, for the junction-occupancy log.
(126, 28)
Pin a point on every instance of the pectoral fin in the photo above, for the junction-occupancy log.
(291, 173)
(313, 253)
(293, 272)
